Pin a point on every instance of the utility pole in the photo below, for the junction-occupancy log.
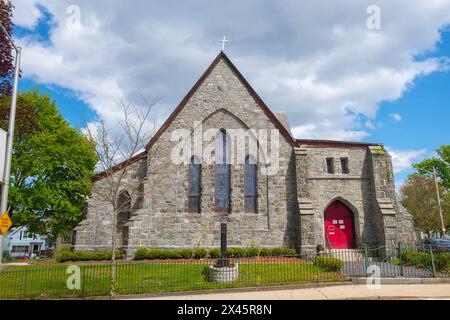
(439, 202)
(10, 135)
(441, 215)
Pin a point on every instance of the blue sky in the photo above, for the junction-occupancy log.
(401, 98)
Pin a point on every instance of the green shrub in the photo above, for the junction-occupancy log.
(328, 264)
(140, 254)
(236, 252)
(415, 258)
(214, 253)
(65, 254)
(253, 251)
(265, 252)
(288, 251)
(423, 259)
(277, 252)
(200, 253)
(442, 261)
(186, 253)
(6, 255)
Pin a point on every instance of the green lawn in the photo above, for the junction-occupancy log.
(47, 281)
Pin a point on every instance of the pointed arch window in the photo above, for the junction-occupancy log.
(124, 206)
(223, 173)
(195, 172)
(250, 185)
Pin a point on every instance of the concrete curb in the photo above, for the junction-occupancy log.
(402, 280)
(226, 290)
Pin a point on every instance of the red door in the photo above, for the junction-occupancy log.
(339, 228)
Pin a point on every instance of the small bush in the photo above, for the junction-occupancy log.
(200, 253)
(289, 251)
(214, 253)
(442, 261)
(328, 264)
(265, 252)
(6, 255)
(277, 252)
(253, 251)
(423, 260)
(140, 254)
(186, 253)
(65, 254)
(236, 252)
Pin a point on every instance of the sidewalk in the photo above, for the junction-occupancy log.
(351, 291)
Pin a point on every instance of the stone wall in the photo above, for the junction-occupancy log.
(319, 189)
(394, 223)
(368, 190)
(291, 201)
(221, 102)
(95, 231)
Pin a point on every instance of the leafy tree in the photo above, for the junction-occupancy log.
(441, 163)
(418, 196)
(51, 168)
(6, 57)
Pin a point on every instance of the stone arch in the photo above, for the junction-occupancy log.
(354, 219)
(123, 216)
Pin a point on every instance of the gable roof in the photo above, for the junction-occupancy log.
(333, 144)
(119, 166)
(251, 91)
(285, 131)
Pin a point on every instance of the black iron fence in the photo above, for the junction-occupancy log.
(407, 261)
(72, 280)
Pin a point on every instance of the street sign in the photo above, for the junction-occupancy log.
(5, 223)
(3, 135)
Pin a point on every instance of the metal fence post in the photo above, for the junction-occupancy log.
(399, 255)
(25, 283)
(433, 267)
(366, 260)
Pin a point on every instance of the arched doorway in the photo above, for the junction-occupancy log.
(339, 226)
(124, 208)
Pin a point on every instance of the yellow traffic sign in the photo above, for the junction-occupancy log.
(5, 223)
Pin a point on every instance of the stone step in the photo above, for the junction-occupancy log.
(345, 254)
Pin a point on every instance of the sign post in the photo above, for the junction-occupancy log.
(3, 136)
(10, 136)
(223, 261)
(223, 241)
(5, 223)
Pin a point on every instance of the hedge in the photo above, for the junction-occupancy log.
(65, 254)
(200, 253)
(422, 259)
(328, 264)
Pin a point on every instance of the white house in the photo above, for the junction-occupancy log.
(21, 243)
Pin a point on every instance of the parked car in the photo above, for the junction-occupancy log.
(439, 244)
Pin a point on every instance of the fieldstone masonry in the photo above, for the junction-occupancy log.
(290, 203)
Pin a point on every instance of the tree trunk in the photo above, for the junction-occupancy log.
(113, 257)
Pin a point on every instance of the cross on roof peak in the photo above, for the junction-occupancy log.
(224, 40)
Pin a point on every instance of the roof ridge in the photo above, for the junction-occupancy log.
(200, 81)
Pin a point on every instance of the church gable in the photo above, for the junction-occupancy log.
(223, 86)
(184, 202)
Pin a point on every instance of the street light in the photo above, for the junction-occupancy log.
(438, 198)
(10, 135)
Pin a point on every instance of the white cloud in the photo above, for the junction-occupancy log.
(317, 61)
(26, 14)
(403, 159)
(395, 117)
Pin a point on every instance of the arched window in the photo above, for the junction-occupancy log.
(124, 206)
(222, 188)
(195, 172)
(250, 186)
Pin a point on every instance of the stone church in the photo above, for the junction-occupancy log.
(321, 192)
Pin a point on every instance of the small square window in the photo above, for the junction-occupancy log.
(344, 166)
(330, 165)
